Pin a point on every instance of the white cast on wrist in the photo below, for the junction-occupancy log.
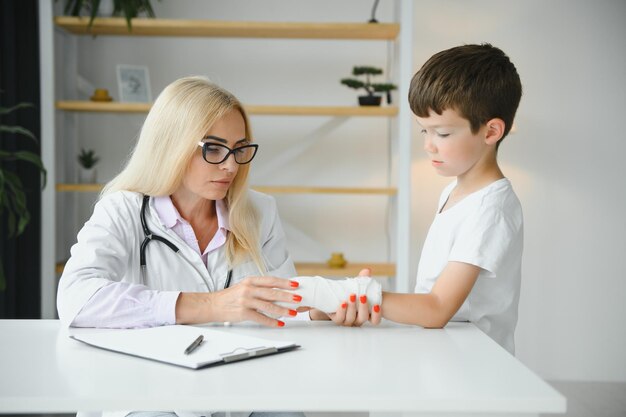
(328, 294)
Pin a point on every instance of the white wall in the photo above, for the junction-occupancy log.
(565, 161)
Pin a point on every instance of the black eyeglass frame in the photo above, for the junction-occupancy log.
(205, 145)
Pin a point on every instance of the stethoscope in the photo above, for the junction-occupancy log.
(149, 236)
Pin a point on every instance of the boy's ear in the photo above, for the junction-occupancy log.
(495, 131)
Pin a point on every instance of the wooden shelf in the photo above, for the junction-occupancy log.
(103, 106)
(89, 188)
(117, 107)
(225, 29)
(350, 270)
(387, 111)
(310, 268)
(81, 188)
(324, 190)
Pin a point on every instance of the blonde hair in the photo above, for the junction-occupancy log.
(181, 115)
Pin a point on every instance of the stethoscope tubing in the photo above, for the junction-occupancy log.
(149, 236)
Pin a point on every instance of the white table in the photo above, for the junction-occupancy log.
(391, 368)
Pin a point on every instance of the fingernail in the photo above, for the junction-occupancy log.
(294, 284)
(293, 313)
(353, 297)
(376, 308)
(363, 299)
(297, 297)
(344, 305)
(280, 323)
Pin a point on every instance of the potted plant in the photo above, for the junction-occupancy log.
(370, 99)
(128, 8)
(12, 195)
(87, 159)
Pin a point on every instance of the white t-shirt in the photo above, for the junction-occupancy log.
(484, 229)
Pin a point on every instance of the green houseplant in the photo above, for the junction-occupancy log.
(12, 195)
(370, 99)
(128, 8)
(87, 159)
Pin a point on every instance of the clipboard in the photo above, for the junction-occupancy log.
(167, 344)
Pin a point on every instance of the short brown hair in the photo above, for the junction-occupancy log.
(478, 81)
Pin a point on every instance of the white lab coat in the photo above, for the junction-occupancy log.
(107, 249)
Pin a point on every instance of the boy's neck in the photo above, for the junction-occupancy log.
(477, 178)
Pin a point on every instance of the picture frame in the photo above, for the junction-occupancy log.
(133, 82)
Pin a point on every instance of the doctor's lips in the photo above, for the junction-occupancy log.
(223, 182)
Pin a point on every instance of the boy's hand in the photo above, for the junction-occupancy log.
(355, 312)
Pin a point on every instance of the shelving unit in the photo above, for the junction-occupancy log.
(61, 187)
(221, 29)
(379, 269)
(117, 107)
(400, 34)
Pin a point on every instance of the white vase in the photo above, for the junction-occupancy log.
(86, 175)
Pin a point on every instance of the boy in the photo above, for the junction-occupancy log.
(465, 100)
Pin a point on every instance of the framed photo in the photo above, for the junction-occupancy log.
(133, 82)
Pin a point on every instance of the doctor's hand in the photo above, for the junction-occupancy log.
(247, 300)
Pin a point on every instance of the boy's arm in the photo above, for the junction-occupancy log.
(439, 306)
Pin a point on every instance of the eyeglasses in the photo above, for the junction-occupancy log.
(214, 153)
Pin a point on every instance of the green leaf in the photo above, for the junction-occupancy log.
(35, 160)
(366, 70)
(17, 211)
(18, 130)
(23, 221)
(130, 11)
(95, 4)
(383, 87)
(19, 200)
(7, 110)
(87, 158)
(27, 157)
(12, 195)
(352, 83)
(16, 205)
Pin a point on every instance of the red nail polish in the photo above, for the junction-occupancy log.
(294, 284)
(297, 297)
(344, 305)
(293, 313)
(363, 299)
(376, 308)
(353, 297)
(280, 323)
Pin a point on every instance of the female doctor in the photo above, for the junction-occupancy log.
(177, 237)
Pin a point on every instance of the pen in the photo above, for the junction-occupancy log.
(194, 345)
